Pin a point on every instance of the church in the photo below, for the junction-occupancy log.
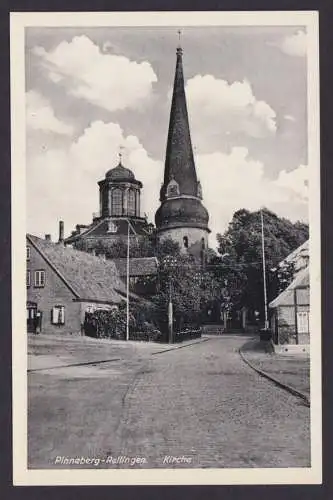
(181, 215)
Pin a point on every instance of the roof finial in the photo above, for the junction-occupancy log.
(120, 155)
(179, 48)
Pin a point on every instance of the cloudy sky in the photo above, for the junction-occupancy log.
(91, 90)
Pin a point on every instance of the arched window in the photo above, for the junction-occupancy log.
(203, 243)
(185, 240)
(131, 202)
(117, 202)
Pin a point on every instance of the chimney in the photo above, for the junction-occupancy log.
(61, 231)
(48, 237)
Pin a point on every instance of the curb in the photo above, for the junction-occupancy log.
(84, 363)
(277, 382)
(181, 346)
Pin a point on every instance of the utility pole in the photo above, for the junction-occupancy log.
(170, 313)
(264, 268)
(127, 281)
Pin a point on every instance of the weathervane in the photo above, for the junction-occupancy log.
(120, 155)
(179, 48)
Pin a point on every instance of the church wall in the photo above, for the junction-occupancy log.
(193, 234)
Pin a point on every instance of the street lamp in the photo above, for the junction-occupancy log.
(129, 225)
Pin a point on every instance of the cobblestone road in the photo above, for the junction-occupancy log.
(201, 402)
(204, 403)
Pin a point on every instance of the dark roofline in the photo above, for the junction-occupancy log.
(90, 228)
(52, 266)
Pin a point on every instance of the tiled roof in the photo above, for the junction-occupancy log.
(90, 277)
(302, 280)
(100, 228)
(139, 266)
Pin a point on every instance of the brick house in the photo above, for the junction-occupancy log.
(63, 284)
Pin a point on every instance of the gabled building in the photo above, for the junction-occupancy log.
(289, 311)
(63, 284)
(181, 215)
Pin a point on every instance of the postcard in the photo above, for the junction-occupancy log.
(166, 248)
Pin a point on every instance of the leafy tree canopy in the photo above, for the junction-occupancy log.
(241, 246)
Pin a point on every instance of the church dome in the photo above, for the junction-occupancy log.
(182, 212)
(120, 173)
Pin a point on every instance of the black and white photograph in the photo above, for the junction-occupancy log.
(166, 228)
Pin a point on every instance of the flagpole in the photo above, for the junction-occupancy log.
(264, 268)
(127, 281)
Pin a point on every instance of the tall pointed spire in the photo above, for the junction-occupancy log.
(179, 160)
(181, 215)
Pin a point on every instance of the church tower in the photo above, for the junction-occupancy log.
(181, 215)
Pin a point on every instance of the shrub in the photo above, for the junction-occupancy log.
(112, 323)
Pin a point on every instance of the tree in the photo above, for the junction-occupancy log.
(141, 247)
(242, 242)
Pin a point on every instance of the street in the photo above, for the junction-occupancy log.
(195, 406)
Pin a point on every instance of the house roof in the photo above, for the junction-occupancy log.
(89, 277)
(286, 297)
(140, 266)
(300, 252)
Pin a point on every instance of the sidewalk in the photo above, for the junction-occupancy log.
(48, 352)
(288, 370)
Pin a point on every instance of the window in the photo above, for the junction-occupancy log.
(112, 227)
(303, 322)
(58, 315)
(28, 252)
(185, 240)
(117, 202)
(172, 188)
(39, 278)
(131, 202)
(28, 278)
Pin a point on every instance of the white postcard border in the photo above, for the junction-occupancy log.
(21, 474)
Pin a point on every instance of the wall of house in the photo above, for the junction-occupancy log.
(54, 293)
(286, 325)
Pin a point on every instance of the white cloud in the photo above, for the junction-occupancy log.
(40, 115)
(109, 81)
(289, 118)
(233, 181)
(217, 107)
(296, 181)
(294, 45)
(62, 183)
